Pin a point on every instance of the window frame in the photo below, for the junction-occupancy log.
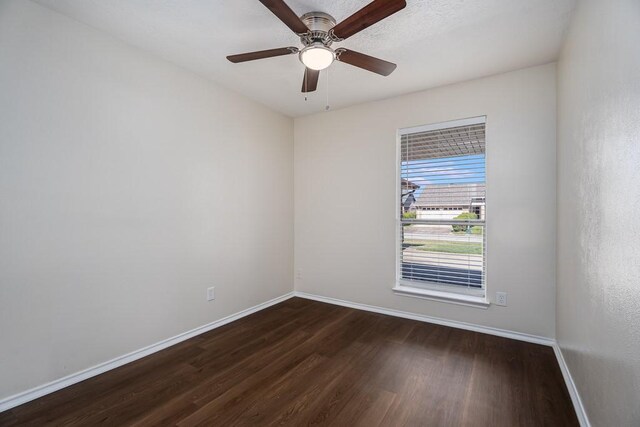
(432, 290)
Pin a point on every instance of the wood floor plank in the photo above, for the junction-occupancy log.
(303, 362)
(220, 375)
(84, 399)
(367, 409)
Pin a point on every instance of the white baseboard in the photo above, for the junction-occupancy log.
(435, 320)
(39, 391)
(571, 386)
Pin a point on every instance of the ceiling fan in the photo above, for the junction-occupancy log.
(318, 30)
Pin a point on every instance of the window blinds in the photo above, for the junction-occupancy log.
(443, 207)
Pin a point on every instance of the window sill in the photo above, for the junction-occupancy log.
(448, 297)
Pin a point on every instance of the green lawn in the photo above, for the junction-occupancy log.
(471, 248)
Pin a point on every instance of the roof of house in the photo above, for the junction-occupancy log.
(450, 195)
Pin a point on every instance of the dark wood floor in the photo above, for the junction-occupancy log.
(303, 362)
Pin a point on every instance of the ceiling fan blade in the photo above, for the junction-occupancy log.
(261, 54)
(286, 15)
(310, 80)
(375, 11)
(369, 63)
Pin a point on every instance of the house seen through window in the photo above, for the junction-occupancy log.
(442, 207)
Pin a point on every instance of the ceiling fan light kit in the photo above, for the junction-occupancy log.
(317, 56)
(318, 31)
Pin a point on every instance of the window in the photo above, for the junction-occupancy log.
(442, 208)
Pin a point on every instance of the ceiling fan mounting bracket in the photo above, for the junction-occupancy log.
(320, 25)
(333, 37)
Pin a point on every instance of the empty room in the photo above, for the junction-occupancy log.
(320, 212)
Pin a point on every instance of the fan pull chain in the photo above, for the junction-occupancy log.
(326, 107)
(306, 70)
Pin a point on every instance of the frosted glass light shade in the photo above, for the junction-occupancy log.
(317, 56)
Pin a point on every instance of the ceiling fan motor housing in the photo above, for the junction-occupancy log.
(319, 24)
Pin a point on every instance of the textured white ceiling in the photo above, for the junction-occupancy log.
(434, 42)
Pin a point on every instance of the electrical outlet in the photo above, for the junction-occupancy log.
(299, 274)
(211, 293)
(501, 298)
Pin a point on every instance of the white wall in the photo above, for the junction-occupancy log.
(127, 187)
(598, 310)
(345, 160)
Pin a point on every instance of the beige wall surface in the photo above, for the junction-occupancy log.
(127, 187)
(345, 197)
(598, 308)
